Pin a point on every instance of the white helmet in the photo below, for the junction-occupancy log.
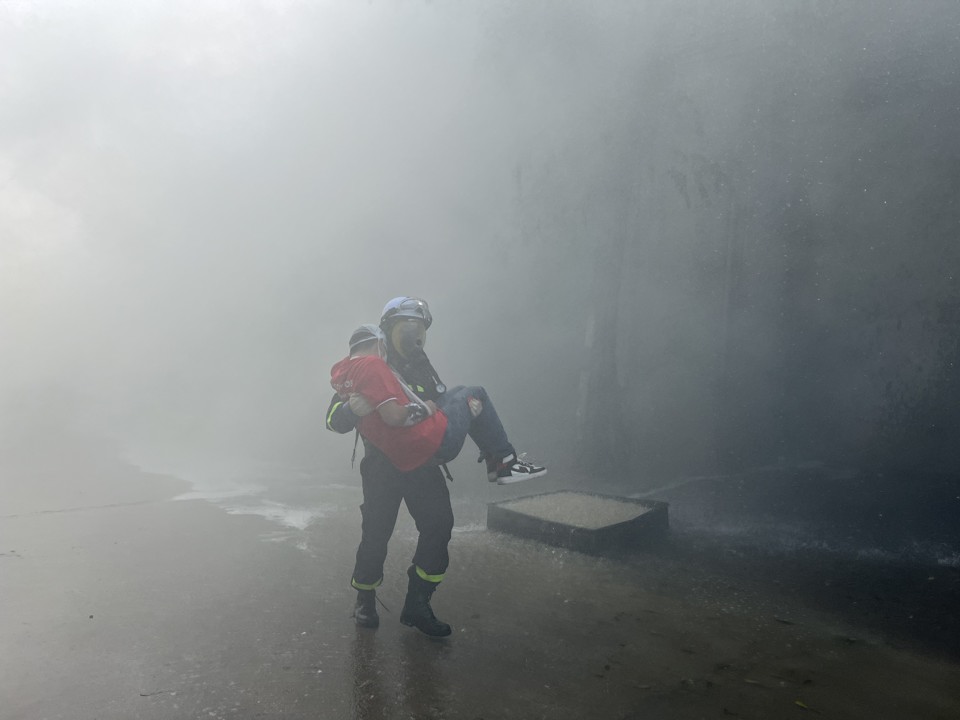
(406, 307)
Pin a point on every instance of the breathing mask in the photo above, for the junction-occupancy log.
(408, 336)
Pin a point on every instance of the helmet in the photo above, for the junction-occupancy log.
(406, 307)
(363, 334)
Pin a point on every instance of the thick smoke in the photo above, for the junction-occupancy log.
(734, 221)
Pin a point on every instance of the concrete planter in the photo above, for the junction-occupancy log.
(582, 521)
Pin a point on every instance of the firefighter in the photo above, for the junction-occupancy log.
(403, 323)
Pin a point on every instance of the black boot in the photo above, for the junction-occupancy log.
(365, 611)
(416, 609)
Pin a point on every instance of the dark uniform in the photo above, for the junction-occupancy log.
(424, 490)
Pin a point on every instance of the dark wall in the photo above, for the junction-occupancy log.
(759, 212)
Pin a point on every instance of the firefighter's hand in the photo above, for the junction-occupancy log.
(359, 405)
(431, 405)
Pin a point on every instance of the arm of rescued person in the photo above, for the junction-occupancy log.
(393, 413)
(380, 387)
(360, 406)
(375, 381)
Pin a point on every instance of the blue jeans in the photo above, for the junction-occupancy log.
(485, 429)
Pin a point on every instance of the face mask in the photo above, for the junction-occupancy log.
(409, 337)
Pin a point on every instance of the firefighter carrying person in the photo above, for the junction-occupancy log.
(412, 432)
(404, 322)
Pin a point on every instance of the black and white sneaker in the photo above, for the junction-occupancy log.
(513, 469)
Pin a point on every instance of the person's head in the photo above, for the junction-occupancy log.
(366, 340)
(404, 322)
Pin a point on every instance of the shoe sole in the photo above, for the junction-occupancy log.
(510, 480)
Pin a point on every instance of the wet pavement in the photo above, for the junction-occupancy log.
(130, 604)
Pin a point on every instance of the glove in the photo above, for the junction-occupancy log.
(415, 413)
(359, 405)
(476, 407)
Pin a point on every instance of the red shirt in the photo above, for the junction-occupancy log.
(407, 447)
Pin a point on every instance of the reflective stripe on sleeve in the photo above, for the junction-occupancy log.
(332, 410)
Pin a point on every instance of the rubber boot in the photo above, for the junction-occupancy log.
(365, 611)
(416, 609)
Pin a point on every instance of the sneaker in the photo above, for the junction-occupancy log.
(513, 469)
